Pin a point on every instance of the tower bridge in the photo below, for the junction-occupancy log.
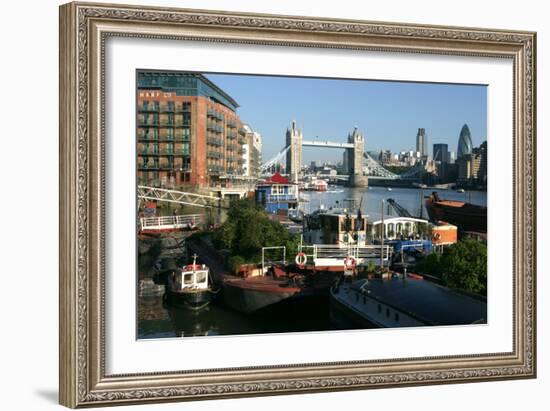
(353, 154)
(360, 165)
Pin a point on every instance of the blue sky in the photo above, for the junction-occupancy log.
(387, 113)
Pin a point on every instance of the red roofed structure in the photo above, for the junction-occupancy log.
(276, 178)
(277, 194)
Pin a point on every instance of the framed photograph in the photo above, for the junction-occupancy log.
(261, 204)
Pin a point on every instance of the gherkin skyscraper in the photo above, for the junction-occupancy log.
(464, 142)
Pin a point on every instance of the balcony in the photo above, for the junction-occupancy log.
(148, 109)
(214, 141)
(185, 108)
(215, 169)
(214, 127)
(143, 123)
(214, 114)
(231, 147)
(214, 154)
(231, 135)
(167, 109)
(185, 123)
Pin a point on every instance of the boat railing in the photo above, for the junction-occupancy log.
(273, 198)
(356, 251)
(170, 222)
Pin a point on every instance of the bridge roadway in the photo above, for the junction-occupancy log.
(326, 143)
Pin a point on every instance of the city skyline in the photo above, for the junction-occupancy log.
(389, 114)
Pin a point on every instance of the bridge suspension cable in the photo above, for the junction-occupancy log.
(375, 169)
(274, 160)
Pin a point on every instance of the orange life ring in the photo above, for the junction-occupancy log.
(349, 262)
(301, 259)
(436, 236)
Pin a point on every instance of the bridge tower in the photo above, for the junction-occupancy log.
(354, 157)
(294, 140)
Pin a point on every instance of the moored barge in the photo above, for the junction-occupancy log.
(402, 301)
(467, 216)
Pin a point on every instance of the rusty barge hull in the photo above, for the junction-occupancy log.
(466, 216)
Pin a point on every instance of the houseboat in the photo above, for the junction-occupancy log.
(335, 239)
(277, 195)
(190, 286)
(411, 233)
(399, 300)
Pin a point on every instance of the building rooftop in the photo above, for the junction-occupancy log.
(276, 178)
(426, 301)
(184, 84)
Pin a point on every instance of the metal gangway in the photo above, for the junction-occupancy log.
(173, 222)
(179, 197)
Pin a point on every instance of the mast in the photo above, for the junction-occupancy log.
(382, 237)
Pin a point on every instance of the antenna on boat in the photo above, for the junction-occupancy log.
(194, 260)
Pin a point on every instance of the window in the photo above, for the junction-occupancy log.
(390, 230)
(277, 189)
(379, 308)
(200, 277)
(396, 317)
(388, 312)
(188, 279)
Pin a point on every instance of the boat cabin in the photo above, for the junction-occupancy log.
(399, 228)
(194, 276)
(335, 226)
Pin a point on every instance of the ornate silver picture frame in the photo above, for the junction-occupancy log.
(84, 30)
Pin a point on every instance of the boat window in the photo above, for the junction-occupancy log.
(396, 317)
(399, 228)
(387, 312)
(390, 230)
(379, 308)
(200, 277)
(188, 279)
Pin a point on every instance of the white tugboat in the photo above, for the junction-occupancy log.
(190, 286)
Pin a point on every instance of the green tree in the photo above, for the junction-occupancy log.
(248, 228)
(464, 266)
(430, 265)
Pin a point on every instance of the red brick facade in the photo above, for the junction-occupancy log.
(186, 140)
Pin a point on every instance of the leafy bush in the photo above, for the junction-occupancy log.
(462, 266)
(248, 229)
(465, 266)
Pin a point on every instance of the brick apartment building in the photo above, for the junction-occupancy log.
(188, 131)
